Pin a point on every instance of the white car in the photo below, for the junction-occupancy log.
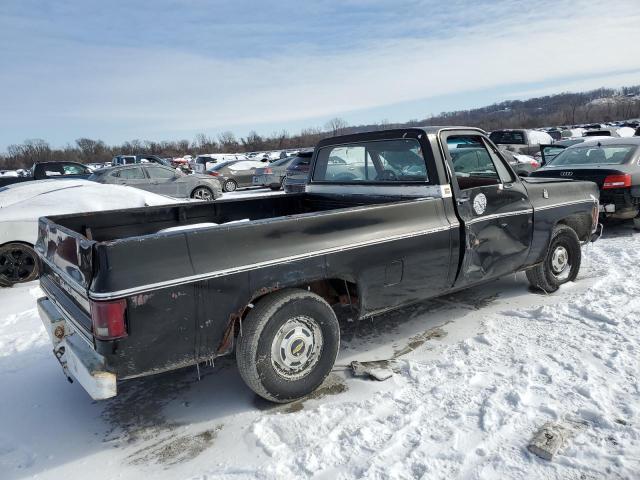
(21, 204)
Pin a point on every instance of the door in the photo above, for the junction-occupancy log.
(131, 176)
(243, 171)
(164, 181)
(493, 206)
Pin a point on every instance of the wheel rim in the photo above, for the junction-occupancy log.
(202, 194)
(560, 262)
(296, 347)
(230, 186)
(17, 264)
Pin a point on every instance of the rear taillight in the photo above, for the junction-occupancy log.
(214, 174)
(535, 164)
(108, 319)
(268, 171)
(617, 181)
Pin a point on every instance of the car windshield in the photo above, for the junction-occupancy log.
(594, 155)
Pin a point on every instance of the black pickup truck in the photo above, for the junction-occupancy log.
(49, 170)
(387, 219)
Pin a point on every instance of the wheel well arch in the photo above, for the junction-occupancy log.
(581, 223)
(22, 242)
(334, 290)
(201, 186)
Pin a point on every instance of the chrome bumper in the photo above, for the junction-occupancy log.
(595, 236)
(76, 356)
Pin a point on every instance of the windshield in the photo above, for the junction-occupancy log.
(594, 155)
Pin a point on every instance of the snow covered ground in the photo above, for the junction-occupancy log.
(477, 373)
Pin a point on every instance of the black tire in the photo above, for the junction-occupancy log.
(230, 186)
(546, 276)
(18, 264)
(203, 193)
(261, 330)
(636, 223)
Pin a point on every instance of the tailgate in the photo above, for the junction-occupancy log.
(66, 262)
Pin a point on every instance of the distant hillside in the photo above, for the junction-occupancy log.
(595, 106)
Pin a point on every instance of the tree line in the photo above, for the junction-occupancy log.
(564, 109)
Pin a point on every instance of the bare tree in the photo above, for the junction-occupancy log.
(336, 126)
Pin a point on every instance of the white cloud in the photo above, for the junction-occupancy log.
(157, 90)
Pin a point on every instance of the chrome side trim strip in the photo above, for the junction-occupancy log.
(435, 191)
(267, 263)
(499, 215)
(566, 204)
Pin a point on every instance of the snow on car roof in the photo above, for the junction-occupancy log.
(57, 197)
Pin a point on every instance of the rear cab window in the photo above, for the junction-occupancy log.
(379, 161)
(508, 137)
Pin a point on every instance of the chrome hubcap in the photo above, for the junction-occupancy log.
(296, 347)
(559, 260)
(230, 186)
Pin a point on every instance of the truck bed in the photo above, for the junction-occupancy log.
(120, 251)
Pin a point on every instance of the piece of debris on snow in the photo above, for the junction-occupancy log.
(372, 370)
(552, 436)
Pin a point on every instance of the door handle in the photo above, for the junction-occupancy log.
(463, 200)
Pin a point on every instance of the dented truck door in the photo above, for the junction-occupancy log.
(492, 204)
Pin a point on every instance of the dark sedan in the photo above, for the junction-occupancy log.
(298, 172)
(613, 164)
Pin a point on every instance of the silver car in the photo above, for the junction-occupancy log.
(160, 179)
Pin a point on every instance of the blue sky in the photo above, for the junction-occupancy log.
(169, 69)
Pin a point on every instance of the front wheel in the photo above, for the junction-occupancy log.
(288, 345)
(18, 263)
(561, 263)
(230, 186)
(202, 193)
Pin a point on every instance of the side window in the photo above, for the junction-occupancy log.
(160, 173)
(132, 174)
(398, 160)
(475, 164)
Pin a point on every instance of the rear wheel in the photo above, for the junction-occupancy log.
(561, 263)
(18, 263)
(280, 186)
(230, 186)
(636, 223)
(288, 345)
(202, 193)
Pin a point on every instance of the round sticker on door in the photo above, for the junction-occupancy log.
(480, 203)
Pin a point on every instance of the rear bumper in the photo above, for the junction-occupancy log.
(77, 358)
(595, 236)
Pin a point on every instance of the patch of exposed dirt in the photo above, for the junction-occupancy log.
(175, 449)
(420, 339)
(333, 385)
